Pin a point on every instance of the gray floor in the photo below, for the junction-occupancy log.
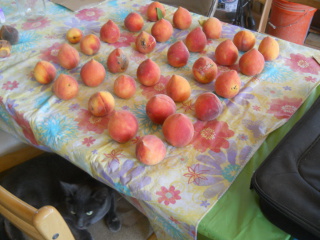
(135, 226)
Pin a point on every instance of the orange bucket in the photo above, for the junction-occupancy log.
(290, 21)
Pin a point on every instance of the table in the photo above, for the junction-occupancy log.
(182, 192)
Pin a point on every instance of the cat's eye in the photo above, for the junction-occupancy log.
(89, 213)
(72, 212)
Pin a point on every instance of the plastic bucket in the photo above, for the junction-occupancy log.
(290, 21)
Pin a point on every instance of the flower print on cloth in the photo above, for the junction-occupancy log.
(51, 54)
(187, 106)
(165, 228)
(159, 88)
(90, 14)
(218, 169)
(27, 41)
(310, 79)
(88, 122)
(228, 31)
(74, 107)
(4, 115)
(55, 131)
(276, 73)
(257, 128)
(176, 36)
(205, 204)
(87, 27)
(146, 124)
(243, 98)
(273, 91)
(42, 102)
(10, 85)
(36, 24)
(19, 118)
(195, 174)
(168, 196)
(302, 64)
(88, 141)
(125, 40)
(115, 154)
(284, 108)
(190, 229)
(124, 176)
(26, 128)
(211, 135)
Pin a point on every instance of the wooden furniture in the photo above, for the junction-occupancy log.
(45, 223)
(267, 8)
(264, 16)
(12, 159)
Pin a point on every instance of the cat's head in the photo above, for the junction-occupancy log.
(85, 204)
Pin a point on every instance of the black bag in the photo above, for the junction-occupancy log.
(288, 181)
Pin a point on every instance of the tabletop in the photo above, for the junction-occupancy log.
(178, 192)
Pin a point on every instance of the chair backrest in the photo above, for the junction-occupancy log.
(45, 223)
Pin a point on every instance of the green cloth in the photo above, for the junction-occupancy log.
(237, 215)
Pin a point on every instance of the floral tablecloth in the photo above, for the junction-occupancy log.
(178, 192)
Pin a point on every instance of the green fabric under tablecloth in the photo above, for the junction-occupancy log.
(237, 214)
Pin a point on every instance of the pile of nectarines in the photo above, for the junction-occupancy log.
(177, 128)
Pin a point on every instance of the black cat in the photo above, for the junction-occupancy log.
(51, 180)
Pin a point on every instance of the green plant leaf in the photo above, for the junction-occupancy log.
(159, 13)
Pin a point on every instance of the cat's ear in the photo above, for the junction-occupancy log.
(101, 194)
(68, 188)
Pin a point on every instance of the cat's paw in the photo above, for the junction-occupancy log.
(81, 234)
(114, 224)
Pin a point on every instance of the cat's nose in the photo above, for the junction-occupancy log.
(81, 225)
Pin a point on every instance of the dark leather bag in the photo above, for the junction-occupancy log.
(288, 181)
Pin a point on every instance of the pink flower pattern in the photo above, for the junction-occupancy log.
(302, 64)
(89, 123)
(91, 14)
(168, 195)
(187, 106)
(115, 154)
(51, 54)
(310, 79)
(37, 24)
(10, 85)
(125, 40)
(159, 88)
(88, 141)
(211, 135)
(26, 128)
(195, 174)
(284, 108)
(256, 108)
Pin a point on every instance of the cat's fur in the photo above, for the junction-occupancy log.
(51, 180)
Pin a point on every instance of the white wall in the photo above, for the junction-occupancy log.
(9, 144)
